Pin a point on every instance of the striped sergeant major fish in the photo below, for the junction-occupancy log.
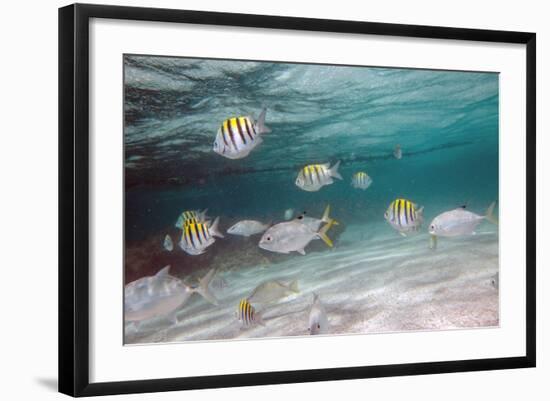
(238, 136)
(196, 237)
(361, 180)
(191, 216)
(404, 216)
(247, 315)
(315, 176)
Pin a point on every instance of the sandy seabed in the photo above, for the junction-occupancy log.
(369, 285)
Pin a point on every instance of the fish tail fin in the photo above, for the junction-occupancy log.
(433, 242)
(490, 216)
(326, 217)
(294, 286)
(179, 223)
(323, 234)
(420, 210)
(203, 287)
(262, 128)
(334, 171)
(214, 230)
(259, 318)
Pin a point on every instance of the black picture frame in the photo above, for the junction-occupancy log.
(74, 198)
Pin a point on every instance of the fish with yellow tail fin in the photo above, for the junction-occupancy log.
(295, 235)
(404, 216)
(238, 136)
(247, 314)
(315, 176)
(458, 222)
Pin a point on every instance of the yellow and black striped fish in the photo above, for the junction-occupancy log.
(197, 236)
(191, 216)
(247, 314)
(404, 215)
(361, 180)
(237, 136)
(314, 176)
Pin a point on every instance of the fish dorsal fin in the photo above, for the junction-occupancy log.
(163, 272)
(315, 298)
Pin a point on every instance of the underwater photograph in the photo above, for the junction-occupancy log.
(278, 199)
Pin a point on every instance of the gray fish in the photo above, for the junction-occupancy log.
(315, 176)
(272, 291)
(161, 295)
(397, 152)
(246, 228)
(318, 321)
(168, 244)
(238, 136)
(458, 222)
(293, 236)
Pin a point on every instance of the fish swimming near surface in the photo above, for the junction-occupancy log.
(361, 180)
(314, 223)
(162, 295)
(458, 222)
(272, 291)
(289, 213)
(397, 152)
(293, 236)
(238, 136)
(196, 237)
(313, 177)
(191, 216)
(246, 228)
(318, 320)
(168, 244)
(404, 216)
(247, 314)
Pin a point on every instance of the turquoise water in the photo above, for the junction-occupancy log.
(446, 123)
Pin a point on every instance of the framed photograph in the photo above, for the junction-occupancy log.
(277, 199)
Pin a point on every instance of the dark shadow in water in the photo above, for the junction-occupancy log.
(49, 383)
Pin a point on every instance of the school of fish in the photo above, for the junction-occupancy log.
(163, 295)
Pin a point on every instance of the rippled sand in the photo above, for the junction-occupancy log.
(367, 286)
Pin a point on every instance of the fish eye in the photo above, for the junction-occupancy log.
(318, 326)
(268, 238)
(300, 217)
(432, 227)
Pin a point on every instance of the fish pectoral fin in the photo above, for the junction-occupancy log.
(301, 251)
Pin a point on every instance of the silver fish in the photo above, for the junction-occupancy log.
(404, 216)
(196, 237)
(273, 290)
(397, 152)
(168, 244)
(247, 228)
(318, 321)
(292, 236)
(238, 136)
(161, 295)
(361, 180)
(315, 176)
(289, 213)
(458, 222)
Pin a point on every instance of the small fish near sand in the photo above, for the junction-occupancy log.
(196, 237)
(361, 180)
(191, 216)
(247, 314)
(168, 244)
(404, 216)
(293, 236)
(313, 177)
(238, 136)
(458, 222)
(272, 291)
(318, 320)
(246, 228)
(397, 152)
(162, 295)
